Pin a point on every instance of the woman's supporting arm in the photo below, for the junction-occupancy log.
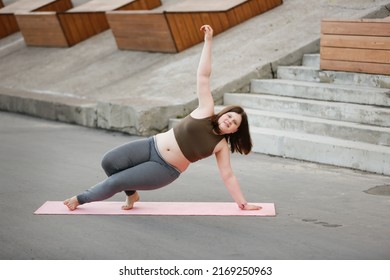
(230, 180)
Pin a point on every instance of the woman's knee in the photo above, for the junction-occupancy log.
(108, 163)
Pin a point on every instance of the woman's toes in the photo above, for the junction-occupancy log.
(126, 207)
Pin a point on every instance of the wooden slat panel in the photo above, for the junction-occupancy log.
(152, 4)
(267, 4)
(193, 31)
(41, 29)
(261, 6)
(358, 27)
(358, 42)
(223, 21)
(141, 31)
(257, 7)
(350, 66)
(245, 12)
(185, 27)
(359, 55)
(137, 5)
(88, 25)
(59, 6)
(69, 28)
(99, 22)
(80, 26)
(180, 33)
(203, 6)
(250, 9)
(174, 30)
(112, 5)
(8, 25)
(272, 3)
(141, 5)
(23, 6)
(197, 20)
(356, 45)
(100, 6)
(219, 22)
(233, 18)
(185, 18)
(205, 17)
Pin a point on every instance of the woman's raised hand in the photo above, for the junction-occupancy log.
(208, 32)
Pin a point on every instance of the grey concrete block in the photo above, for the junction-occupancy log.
(323, 91)
(311, 60)
(313, 74)
(59, 108)
(364, 114)
(357, 155)
(323, 127)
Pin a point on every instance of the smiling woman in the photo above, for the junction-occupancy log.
(155, 162)
(233, 122)
(198, 137)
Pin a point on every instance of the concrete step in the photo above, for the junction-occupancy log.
(310, 125)
(321, 149)
(363, 114)
(67, 109)
(329, 117)
(323, 91)
(342, 130)
(280, 134)
(298, 73)
(314, 74)
(311, 60)
(127, 115)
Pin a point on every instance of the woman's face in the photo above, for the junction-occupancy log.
(229, 122)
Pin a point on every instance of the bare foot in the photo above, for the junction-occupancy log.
(130, 200)
(72, 203)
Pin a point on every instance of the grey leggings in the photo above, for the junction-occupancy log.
(133, 166)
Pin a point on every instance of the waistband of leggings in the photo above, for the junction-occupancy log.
(154, 144)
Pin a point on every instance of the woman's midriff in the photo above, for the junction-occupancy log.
(170, 150)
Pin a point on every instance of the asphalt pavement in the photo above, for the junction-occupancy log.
(323, 212)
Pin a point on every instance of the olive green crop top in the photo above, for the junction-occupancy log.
(196, 138)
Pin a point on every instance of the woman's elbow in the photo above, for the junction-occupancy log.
(204, 78)
(227, 175)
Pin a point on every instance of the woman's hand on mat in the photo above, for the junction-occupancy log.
(251, 207)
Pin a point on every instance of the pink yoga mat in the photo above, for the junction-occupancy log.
(156, 208)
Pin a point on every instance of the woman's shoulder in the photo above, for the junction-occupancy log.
(200, 114)
(222, 145)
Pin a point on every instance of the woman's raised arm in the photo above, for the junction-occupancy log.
(206, 101)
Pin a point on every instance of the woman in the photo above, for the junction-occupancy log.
(157, 161)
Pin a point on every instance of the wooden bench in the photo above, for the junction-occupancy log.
(8, 23)
(67, 28)
(356, 45)
(176, 28)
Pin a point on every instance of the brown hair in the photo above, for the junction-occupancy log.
(240, 141)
